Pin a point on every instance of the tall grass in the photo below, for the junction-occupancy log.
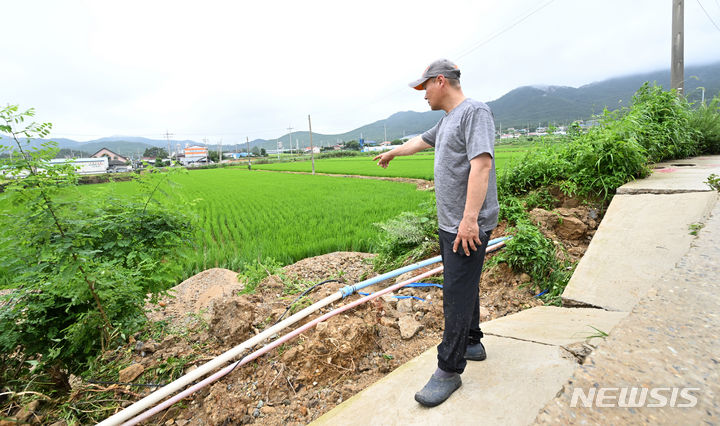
(706, 120)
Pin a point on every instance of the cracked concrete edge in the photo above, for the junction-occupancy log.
(572, 297)
(638, 191)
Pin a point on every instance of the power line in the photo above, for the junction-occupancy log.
(506, 29)
(708, 15)
(522, 17)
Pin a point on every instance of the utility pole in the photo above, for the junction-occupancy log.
(247, 141)
(385, 130)
(677, 67)
(312, 151)
(290, 129)
(205, 141)
(220, 156)
(167, 137)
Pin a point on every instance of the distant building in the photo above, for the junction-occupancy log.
(86, 166)
(104, 152)
(235, 155)
(195, 154)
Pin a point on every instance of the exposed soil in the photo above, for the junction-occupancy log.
(299, 381)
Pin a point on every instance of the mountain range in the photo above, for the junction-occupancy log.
(527, 106)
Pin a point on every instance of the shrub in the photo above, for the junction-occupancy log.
(80, 275)
(529, 251)
(599, 162)
(659, 121)
(407, 238)
(706, 121)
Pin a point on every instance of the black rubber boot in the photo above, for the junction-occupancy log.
(475, 352)
(437, 390)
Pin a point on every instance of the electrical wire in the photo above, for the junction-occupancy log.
(708, 15)
(506, 29)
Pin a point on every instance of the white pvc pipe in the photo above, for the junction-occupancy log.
(233, 353)
(213, 364)
(189, 391)
(150, 400)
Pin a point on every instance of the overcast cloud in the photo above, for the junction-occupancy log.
(229, 70)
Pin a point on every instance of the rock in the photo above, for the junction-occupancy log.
(303, 411)
(543, 218)
(388, 297)
(232, 320)
(571, 228)
(290, 354)
(484, 312)
(406, 276)
(525, 278)
(75, 381)
(9, 422)
(24, 414)
(405, 305)
(148, 347)
(267, 410)
(321, 328)
(131, 373)
(408, 327)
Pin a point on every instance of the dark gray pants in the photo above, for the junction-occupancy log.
(461, 303)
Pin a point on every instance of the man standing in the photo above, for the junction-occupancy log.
(467, 206)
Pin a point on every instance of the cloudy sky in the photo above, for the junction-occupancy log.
(234, 69)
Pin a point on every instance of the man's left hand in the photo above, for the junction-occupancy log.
(468, 235)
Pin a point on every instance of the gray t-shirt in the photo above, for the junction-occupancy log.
(461, 135)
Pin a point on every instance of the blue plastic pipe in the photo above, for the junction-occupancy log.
(350, 289)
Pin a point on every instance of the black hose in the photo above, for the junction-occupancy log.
(308, 290)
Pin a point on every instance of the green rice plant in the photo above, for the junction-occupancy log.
(240, 215)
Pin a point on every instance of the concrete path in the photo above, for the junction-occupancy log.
(669, 343)
(644, 280)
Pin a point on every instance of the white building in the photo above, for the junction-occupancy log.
(85, 166)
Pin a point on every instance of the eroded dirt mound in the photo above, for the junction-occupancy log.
(306, 377)
(195, 295)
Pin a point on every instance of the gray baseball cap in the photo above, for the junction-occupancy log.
(439, 67)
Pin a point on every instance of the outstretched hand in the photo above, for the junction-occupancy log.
(384, 159)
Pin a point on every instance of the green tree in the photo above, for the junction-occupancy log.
(255, 151)
(155, 152)
(263, 152)
(79, 273)
(352, 145)
(214, 156)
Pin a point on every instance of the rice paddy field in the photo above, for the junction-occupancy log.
(418, 166)
(242, 216)
(245, 215)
